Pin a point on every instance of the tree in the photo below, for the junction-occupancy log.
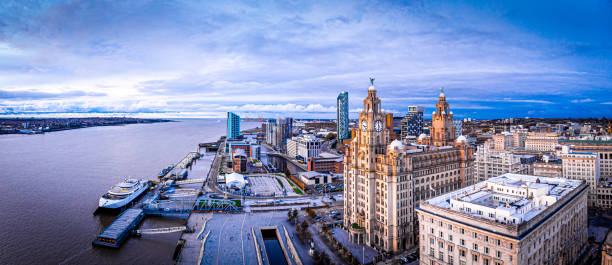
(304, 225)
(330, 136)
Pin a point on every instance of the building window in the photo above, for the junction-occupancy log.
(450, 227)
(441, 255)
(475, 235)
(431, 252)
(441, 244)
(462, 242)
(462, 231)
(450, 248)
(486, 261)
(498, 254)
(450, 238)
(462, 252)
(498, 242)
(486, 238)
(474, 258)
(486, 250)
(431, 241)
(475, 246)
(441, 234)
(450, 260)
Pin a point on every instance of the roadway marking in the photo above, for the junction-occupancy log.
(241, 237)
(219, 243)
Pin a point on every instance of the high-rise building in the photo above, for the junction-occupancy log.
(510, 219)
(458, 127)
(343, 116)
(443, 129)
(278, 131)
(385, 179)
(412, 123)
(233, 126)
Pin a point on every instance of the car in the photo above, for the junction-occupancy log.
(404, 260)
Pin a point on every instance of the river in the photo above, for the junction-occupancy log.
(51, 184)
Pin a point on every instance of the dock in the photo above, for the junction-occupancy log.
(114, 235)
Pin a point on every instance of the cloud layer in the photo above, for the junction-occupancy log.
(273, 59)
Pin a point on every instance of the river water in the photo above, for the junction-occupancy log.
(51, 184)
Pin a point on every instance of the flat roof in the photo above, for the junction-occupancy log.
(509, 198)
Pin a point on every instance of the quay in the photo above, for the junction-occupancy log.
(114, 235)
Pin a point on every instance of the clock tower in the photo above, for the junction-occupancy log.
(373, 133)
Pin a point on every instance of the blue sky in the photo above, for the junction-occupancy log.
(194, 59)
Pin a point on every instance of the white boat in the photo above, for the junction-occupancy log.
(123, 193)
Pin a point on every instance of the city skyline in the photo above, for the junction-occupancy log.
(161, 59)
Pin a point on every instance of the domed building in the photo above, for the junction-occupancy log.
(385, 179)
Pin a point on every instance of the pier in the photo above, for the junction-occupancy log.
(114, 235)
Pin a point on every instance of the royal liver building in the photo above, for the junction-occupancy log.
(385, 179)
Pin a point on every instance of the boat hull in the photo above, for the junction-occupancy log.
(115, 204)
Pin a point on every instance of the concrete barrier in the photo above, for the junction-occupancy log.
(292, 250)
(257, 249)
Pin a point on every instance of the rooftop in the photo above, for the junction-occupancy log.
(509, 198)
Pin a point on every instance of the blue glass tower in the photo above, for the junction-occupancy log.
(233, 126)
(343, 116)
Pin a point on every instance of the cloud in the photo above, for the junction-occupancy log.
(21, 95)
(280, 108)
(582, 100)
(272, 57)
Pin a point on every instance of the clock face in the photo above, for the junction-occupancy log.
(378, 126)
(364, 125)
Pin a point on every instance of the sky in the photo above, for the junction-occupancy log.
(497, 59)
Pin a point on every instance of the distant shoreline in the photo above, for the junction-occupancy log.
(45, 125)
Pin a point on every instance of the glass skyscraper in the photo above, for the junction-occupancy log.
(343, 116)
(233, 126)
(412, 123)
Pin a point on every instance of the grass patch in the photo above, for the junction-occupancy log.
(298, 191)
(280, 183)
(237, 202)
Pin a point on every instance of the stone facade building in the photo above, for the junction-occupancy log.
(488, 164)
(443, 128)
(542, 142)
(585, 167)
(384, 179)
(510, 219)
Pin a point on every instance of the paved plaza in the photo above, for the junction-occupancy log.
(268, 185)
(231, 241)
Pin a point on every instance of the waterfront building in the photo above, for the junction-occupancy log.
(239, 160)
(548, 169)
(509, 219)
(585, 167)
(384, 179)
(311, 178)
(306, 146)
(326, 162)
(488, 164)
(412, 123)
(602, 148)
(343, 116)
(542, 142)
(443, 128)
(233, 126)
(278, 131)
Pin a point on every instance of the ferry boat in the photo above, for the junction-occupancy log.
(123, 193)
